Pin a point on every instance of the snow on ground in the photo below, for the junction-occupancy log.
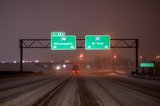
(25, 88)
(69, 96)
(29, 98)
(140, 80)
(128, 96)
(105, 91)
(9, 82)
(109, 73)
(99, 93)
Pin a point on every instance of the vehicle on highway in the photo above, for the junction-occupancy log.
(134, 71)
(75, 69)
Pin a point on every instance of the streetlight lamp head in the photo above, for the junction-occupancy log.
(81, 55)
(140, 57)
(115, 56)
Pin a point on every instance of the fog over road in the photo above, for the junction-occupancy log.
(85, 89)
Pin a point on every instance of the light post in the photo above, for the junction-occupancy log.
(81, 57)
(114, 61)
(157, 66)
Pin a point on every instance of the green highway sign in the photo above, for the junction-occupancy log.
(146, 64)
(63, 42)
(58, 33)
(97, 42)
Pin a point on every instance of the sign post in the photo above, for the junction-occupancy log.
(149, 65)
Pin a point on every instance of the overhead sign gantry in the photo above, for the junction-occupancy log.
(71, 43)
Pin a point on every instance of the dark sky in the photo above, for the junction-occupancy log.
(21, 19)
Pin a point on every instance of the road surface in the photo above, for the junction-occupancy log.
(85, 89)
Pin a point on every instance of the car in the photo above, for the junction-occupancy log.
(75, 69)
(75, 72)
(133, 72)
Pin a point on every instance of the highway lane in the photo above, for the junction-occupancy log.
(121, 94)
(83, 90)
(9, 83)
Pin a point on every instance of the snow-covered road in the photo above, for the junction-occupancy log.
(79, 90)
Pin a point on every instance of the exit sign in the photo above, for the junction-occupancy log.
(97, 42)
(146, 64)
(63, 42)
(58, 33)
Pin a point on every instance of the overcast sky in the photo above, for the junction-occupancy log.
(20, 19)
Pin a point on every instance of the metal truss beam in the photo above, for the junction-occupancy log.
(45, 43)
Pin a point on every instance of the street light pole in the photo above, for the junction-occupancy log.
(81, 56)
(113, 60)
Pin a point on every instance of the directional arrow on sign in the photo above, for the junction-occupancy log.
(54, 47)
(72, 47)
